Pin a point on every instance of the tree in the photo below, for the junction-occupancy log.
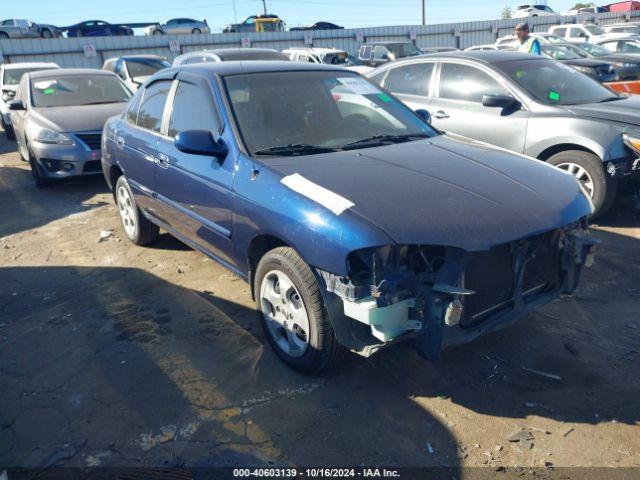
(506, 13)
(580, 5)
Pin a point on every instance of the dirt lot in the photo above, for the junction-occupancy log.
(113, 355)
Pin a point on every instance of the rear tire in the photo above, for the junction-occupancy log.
(138, 228)
(4, 36)
(196, 31)
(46, 33)
(308, 345)
(590, 170)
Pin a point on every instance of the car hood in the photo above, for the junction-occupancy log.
(623, 58)
(79, 118)
(624, 111)
(446, 191)
(586, 62)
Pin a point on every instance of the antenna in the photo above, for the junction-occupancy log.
(264, 6)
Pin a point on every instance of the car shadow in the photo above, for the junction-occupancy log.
(26, 207)
(118, 365)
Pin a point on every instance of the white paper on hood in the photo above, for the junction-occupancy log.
(331, 200)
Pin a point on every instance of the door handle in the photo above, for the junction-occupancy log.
(120, 141)
(441, 114)
(162, 160)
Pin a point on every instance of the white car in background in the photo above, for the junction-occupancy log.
(510, 41)
(526, 11)
(626, 28)
(578, 33)
(10, 75)
(330, 56)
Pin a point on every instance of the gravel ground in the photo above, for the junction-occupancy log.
(117, 355)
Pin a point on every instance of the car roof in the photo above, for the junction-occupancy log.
(68, 72)
(256, 66)
(138, 57)
(387, 42)
(11, 66)
(483, 56)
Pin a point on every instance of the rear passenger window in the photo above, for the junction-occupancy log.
(410, 79)
(365, 52)
(134, 105)
(152, 107)
(462, 82)
(193, 109)
(560, 32)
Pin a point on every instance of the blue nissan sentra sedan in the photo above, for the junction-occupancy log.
(354, 221)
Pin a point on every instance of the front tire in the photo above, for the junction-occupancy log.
(138, 228)
(46, 33)
(37, 175)
(291, 309)
(589, 170)
(196, 31)
(8, 131)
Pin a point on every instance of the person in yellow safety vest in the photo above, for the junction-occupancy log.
(528, 44)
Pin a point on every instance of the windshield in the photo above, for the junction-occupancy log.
(553, 83)
(401, 50)
(78, 90)
(145, 68)
(12, 76)
(553, 38)
(322, 110)
(559, 53)
(595, 50)
(576, 50)
(594, 30)
(629, 47)
(335, 58)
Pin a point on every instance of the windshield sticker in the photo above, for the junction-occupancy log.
(384, 97)
(328, 199)
(45, 84)
(359, 86)
(555, 96)
(48, 91)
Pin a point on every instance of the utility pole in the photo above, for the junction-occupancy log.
(424, 18)
(264, 6)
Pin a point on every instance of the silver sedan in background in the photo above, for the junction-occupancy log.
(58, 116)
(528, 104)
(178, 26)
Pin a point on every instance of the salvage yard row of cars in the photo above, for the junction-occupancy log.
(361, 210)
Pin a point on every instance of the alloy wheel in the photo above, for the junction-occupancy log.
(580, 173)
(284, 313)
(127, 214)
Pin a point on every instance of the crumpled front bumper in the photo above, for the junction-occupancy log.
(460, 306)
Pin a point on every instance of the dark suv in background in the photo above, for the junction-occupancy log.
(378, 53)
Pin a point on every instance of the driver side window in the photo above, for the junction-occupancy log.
(466, 83)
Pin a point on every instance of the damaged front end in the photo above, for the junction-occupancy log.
(444, 296)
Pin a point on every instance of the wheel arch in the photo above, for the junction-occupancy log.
(563, 147)
(115, 172)
(258, 247)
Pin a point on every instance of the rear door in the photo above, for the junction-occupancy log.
(411, 84)
(457, 107)
(195, 189)
(137, 142)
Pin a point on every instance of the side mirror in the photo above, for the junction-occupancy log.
(201, 142)
(16, 105)
(501, 101)
(424, 115)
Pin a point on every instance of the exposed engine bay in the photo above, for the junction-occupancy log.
(443, 296)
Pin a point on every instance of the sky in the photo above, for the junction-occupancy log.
(348, 13)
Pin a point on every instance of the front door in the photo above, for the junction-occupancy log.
(457, 108)
(137, 143)
(195, 189)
